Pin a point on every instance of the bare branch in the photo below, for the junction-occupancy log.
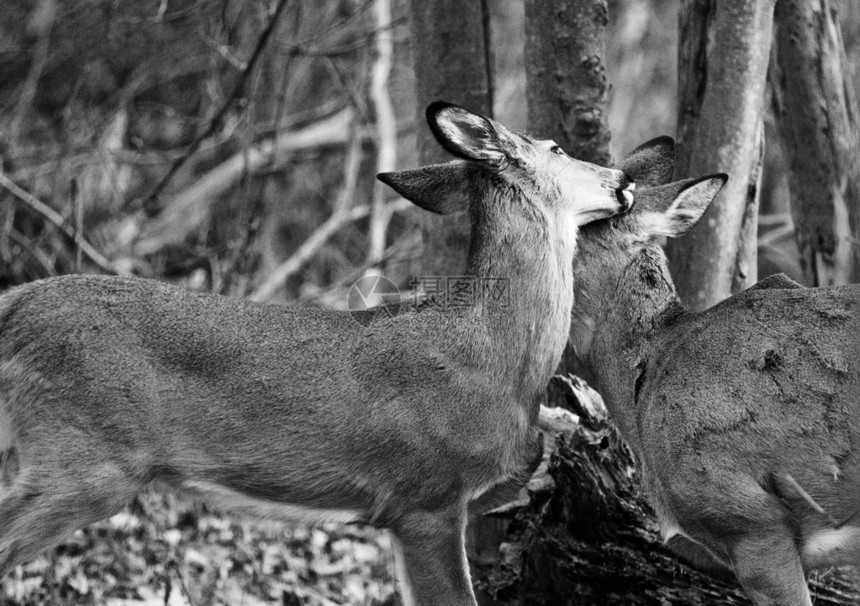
(34, 251)
(310, 247)
(216, 119)
(191, 207)
(57, 220)
(43, 20)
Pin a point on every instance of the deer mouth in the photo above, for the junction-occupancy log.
(625, 196)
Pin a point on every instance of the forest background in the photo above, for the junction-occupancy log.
(230, 146)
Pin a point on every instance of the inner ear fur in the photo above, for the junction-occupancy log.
(672, 209)
(468, 135)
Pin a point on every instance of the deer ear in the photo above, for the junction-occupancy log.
(652, 163)
(439, 188)
(468, 135)
(674, 210)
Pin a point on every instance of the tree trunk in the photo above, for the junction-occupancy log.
(722, 64)
(566, 85)
(453, 62)
(567, 90)
(451, 55)
(816, 112)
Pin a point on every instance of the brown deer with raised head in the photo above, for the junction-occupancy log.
(745, 418)
(111, 385)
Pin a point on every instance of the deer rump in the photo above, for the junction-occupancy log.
(768, 401)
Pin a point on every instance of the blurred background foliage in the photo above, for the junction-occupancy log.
(100, 98)
(231, 146)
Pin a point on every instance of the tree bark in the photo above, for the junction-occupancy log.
(566, 85)
(817, 115)
(567, 89)
(451, 55)
(722, 64)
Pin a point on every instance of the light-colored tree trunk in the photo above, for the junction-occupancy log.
(566, 85)
(817, 115)
(452, 59)
(722, 65)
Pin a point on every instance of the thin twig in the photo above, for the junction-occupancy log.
(364, 41)
(191, 207)
(779, 219)
(37, 253)
(73, 162)
(224, 51)
(222, 111)
(322, 34)
(182, 584)
(392, 253)
(311, 246)
(57, 220)
(777, 233)
(46, 12)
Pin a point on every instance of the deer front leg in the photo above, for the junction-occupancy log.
(431, 561)
(768, 567)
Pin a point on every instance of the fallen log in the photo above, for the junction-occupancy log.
(590, 537)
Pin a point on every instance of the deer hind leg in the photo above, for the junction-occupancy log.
(430, 554)
(768, 567)
(44, 503)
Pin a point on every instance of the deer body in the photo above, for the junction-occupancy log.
(109, 385)
(734, 413)
(751, 364)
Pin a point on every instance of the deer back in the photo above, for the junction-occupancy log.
(767, 383)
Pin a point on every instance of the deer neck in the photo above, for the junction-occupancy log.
(526, 312)
(625, 317)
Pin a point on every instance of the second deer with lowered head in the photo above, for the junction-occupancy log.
(110, 385)
(745, 418)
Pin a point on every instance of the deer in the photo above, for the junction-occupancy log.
(110, 386)
(744, 418)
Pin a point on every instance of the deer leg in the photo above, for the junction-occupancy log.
(38, 512)
(431, 559)
(769, 569)
(509, 489)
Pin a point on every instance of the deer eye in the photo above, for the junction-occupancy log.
(557, 150)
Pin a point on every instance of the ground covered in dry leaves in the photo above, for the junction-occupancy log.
(167, 551)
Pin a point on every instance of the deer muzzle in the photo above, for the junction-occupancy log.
(625, 195)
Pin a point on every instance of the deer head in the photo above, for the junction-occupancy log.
(527, 176)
